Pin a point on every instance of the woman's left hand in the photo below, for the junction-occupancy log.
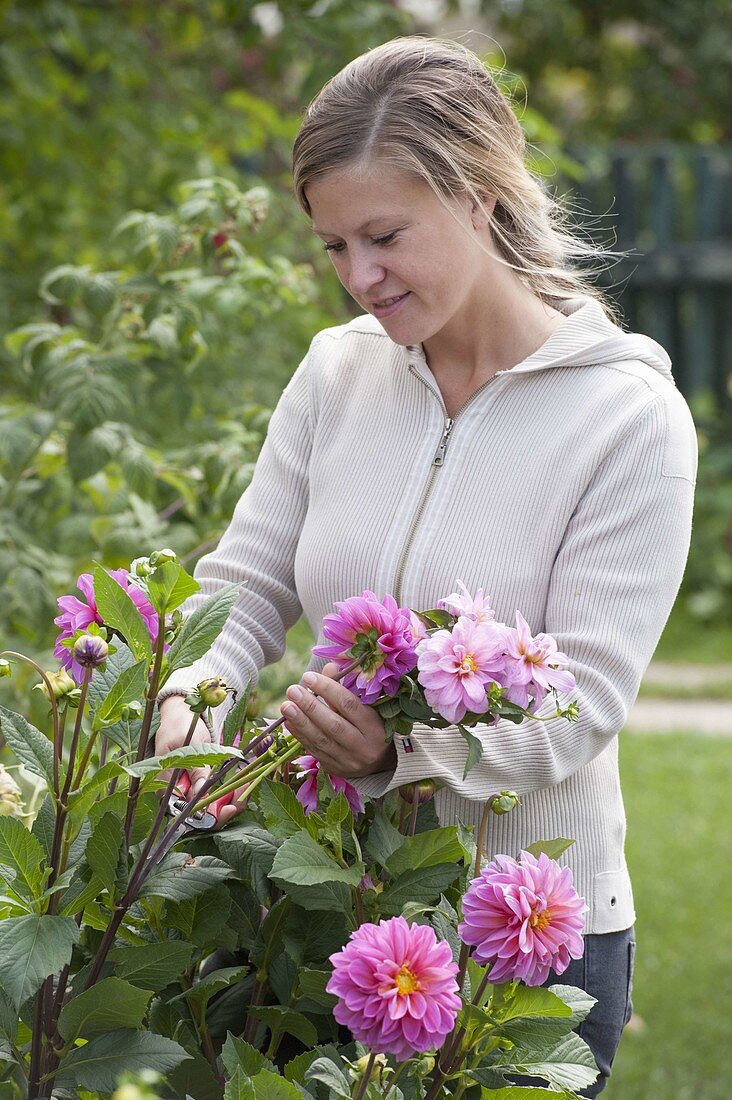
(333, 725)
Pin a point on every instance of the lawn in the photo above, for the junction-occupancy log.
(679, 845)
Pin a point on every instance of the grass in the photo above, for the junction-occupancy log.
(689, 640)
(719, 690)
(679, 841)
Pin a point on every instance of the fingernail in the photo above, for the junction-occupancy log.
(310, 679)
(294, 693)
(288, 710)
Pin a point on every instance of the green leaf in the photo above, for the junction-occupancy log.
(527, 1001)
(551, 848)
(307, 940)
(281, 1021)
(303, 862)
(105, 678)
(283, 814)
(109, 1004)
(579, 1002)
(181, 876)
(326, 897)
(129, 686)
(28, 744)
(311, 986)
(152, 965)
(239, 1087)
(383, 839)
(331, 1074)
(169, 586)
(99, 1063)
(569, 1065)
(187, 756)
(103, 850)
(236, 1054)
(426, 850)
(235, 719)
(8, 1018)
(270, 1086)
(32, 948)
(511, 1092)
(202, 991)
(202, 917)
(424, 884)
(44, 825)
(475, 749)
(117, 610)
(21, 851)
(201, 629)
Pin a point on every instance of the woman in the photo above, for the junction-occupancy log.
(483, 420)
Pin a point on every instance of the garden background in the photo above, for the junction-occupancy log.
(158, 286)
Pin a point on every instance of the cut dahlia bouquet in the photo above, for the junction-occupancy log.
(319, 945)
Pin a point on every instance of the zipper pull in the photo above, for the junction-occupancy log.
(442, 447)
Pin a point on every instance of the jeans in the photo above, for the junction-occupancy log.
(605, 971)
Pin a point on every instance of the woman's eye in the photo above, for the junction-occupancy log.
(334, 247)
(386, 239)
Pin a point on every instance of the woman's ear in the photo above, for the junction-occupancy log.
(481, 209)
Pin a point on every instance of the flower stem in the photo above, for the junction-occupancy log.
(152, 691)
(364, 1082)
(57, 728)
(413, 816)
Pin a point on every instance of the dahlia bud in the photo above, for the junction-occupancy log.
(140, 567)
(131, 711)
(5, 669)
(11, 804)
(90, 650)
(212, 691)
(378, 1066)
(425, 1065)
(252, 705)
(61, 684)
(421, 791)
(504, 802)
(160, 557)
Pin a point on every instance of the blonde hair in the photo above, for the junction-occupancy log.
(431, 108)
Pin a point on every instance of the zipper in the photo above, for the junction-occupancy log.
(435, 465)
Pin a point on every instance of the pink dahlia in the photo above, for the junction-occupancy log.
(396, 988)
(532, 666)
(524, 917)
(307, 795)
(475, 607)
(376, 633)
(77, 615)
(456, 666)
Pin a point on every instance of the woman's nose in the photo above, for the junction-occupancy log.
(363, 272)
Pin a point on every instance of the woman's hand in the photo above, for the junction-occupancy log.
(333, 725)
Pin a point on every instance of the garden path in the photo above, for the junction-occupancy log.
(680, 698)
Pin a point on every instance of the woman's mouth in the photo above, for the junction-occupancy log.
(388, 306)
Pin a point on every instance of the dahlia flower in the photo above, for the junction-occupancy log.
(456, 666)
(524, 917)
(307, 795)
(531, 666)
(77, 615)
(90, 650)
(475, 607)
(396, 988)
(378, 634)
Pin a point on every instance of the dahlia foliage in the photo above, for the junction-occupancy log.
(371, 942)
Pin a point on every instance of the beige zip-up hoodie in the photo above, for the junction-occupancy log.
(563, 487)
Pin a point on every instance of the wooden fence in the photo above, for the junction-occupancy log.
(670, 207)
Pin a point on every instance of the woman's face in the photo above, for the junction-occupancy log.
(406, 258)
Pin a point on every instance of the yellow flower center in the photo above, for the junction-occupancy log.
(467, 665)
(540, 920)
(405, 981)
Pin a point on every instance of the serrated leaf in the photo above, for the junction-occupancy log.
(201, 629)
(21, 851)
(129, 686)
(187, 756)
(32, 948)
(426, 850)
(528, 1001)
(117, 610)
(307, 940)
(235, 719)
(28, 744)
(109, 1004)
(152, 965)
(281, 1020)
(311, 985)
(170, 586)
(181, 876)
(424, 884)
(236, 1054)
(202, 991)
(303, 862)
(326, 897)
(8, 1018)
(331, 1074)
(569, 1065)
(202, 917)
(103, 849)
(98, 1064)
(475, 749)
(551, 848)
(383, 839)
(283, 814)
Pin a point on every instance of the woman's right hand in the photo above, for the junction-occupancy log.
(175, 721)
